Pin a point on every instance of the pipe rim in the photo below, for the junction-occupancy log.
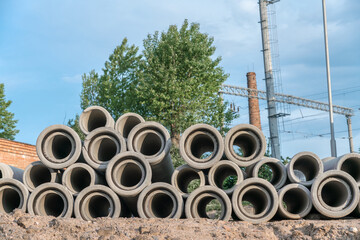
(86, 114)
(154, 126)
(99, 134)
(219, 166)
(20, 188)
(301, 156)
(179, 171)
(254, 133)
(160, 187)
(56, 188)
(190, 135)
(96, 190)
(350, 157)
(66, 177)
(261, 185)
(122, 121)
(197, 194)
(126, 157)
(343, 176)
(28, 182)
(63, 130)
(298, 187)
(277, 168)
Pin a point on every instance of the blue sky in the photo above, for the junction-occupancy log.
(45, 47)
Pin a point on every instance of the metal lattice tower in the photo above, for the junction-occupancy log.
(269, 80)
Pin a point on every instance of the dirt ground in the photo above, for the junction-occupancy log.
(19, 225)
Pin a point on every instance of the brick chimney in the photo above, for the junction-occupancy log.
(254, 110)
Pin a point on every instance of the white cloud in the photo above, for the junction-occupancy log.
(72, 79)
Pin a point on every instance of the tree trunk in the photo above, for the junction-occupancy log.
(175, 139)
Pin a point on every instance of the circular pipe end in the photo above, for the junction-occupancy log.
(95, 117)
(201, 146)
(184, 177)
(127, 122)
(245, 144)
(13, 195)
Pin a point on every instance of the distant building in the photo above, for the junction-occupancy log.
(17, 154)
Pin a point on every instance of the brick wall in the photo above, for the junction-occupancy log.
(17, 154)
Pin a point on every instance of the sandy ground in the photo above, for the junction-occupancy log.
(19, 225)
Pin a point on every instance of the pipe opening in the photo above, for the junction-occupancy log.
(244, 145)
(51, 204)
(225, 177)
(61, 146)
(210, 207)
(335, 193)
(306, 168)
(99, 206)
(254, 201)
(95, 120)
(130, 174)
(266, 172)
(162, 205)
(202, 146)
(128, 124)
(39, 174)
(10, 200)
(80, 178)
(1, 174)
(295, 201)
(150, 143)
(188, 180)
(352, 167)
(104, 149)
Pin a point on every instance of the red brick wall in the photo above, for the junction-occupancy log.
(17, 154)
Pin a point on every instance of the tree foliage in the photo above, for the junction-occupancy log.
(7, 123)
(175, 81)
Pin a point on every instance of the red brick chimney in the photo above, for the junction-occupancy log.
(254, 110)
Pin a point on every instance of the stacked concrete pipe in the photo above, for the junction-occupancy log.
(7, 171)
(128, 174)
(152, 140)
(124, 169)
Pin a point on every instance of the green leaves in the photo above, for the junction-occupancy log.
(7, 123)
(175, 81)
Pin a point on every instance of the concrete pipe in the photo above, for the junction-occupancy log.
(160, 200)
(127, 122)
(294, 201)
(201, 146)
(99, 201)
(276, 168)
(327, 159)
(7, 171)
(245, 144)
(335, 194)
(36, 173)
(51, 199)
(58, 146)
(152, 140)
(13, 194)
(95, 117)
(199, 204)
(349, 163)
(223, 170)
(255, 200)
(183, 176)
(79, 176)
(101, 145)
(127, 174)
(304, 168)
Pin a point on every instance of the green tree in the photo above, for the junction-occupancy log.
(180, 80)
(115, 88)
(175, 81)
(7, 123)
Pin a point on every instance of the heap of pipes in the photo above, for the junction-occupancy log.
(124, 169)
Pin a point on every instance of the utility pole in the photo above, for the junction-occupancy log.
(271, 103)
(332, 141)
